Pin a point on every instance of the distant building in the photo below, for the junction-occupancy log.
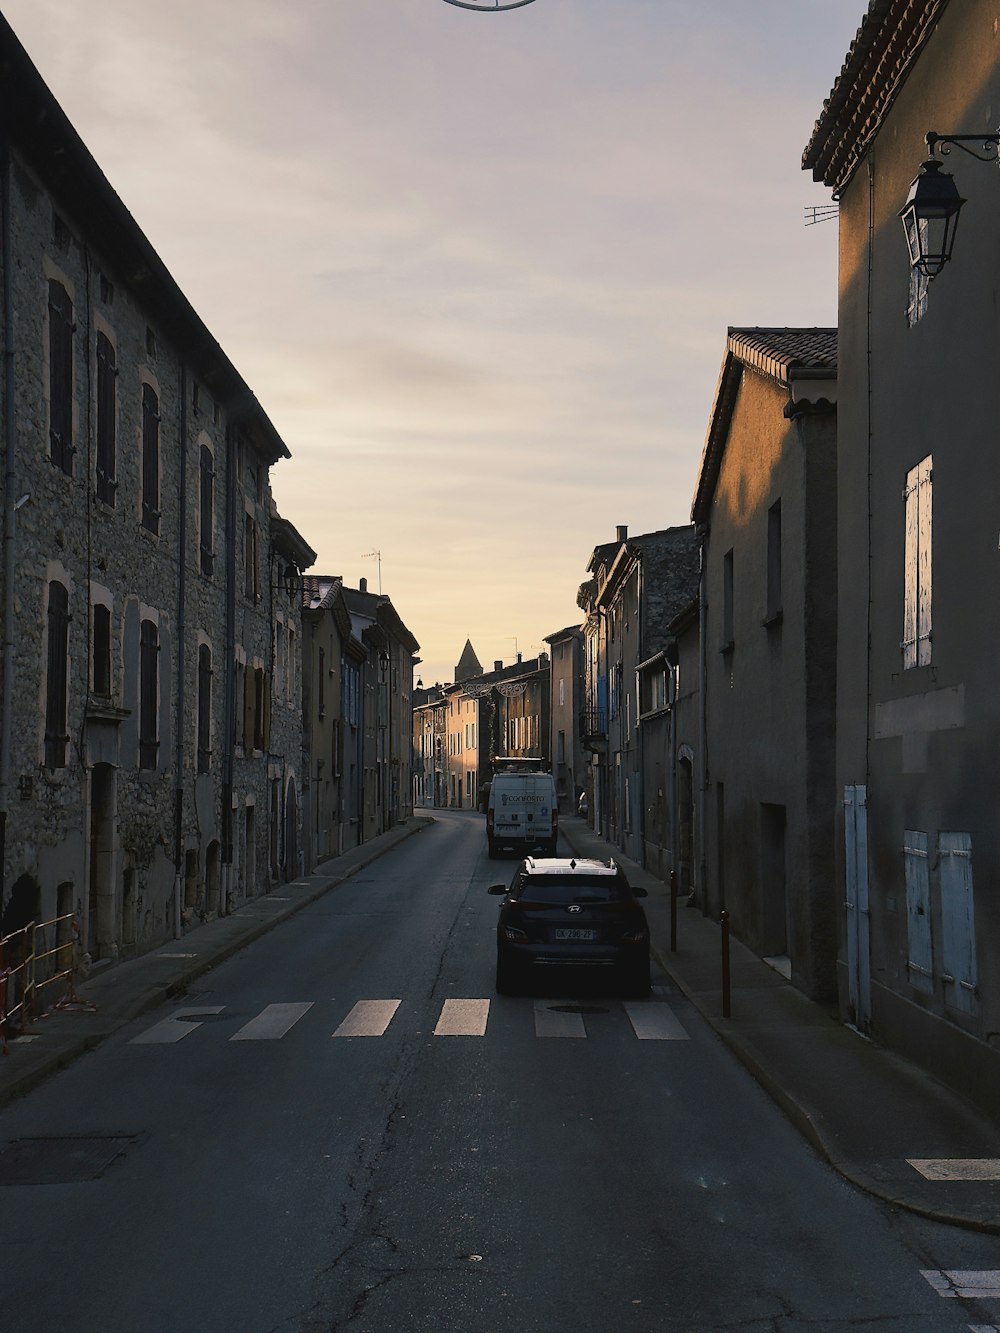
(386, 709)
(566, 705)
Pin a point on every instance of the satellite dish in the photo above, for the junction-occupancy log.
(495, 5)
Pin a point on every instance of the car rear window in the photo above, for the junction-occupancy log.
(558, 890)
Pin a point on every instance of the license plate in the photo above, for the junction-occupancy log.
(563, 933)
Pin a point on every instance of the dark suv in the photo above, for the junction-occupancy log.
(561, 912)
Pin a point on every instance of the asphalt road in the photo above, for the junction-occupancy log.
(344, 1128)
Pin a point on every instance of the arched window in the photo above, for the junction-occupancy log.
(207, 476)
(149, 650)
(204, 708)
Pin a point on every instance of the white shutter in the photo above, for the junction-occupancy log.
(958, 921)
(909, 644)
(919, 955)
(918, 496)
(925, 494)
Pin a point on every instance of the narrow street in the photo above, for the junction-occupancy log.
(345, 1128)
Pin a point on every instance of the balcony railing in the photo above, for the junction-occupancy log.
(594, 724)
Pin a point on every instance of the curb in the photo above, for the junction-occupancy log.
(72, 1048)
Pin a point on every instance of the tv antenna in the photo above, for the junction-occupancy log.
(375, 555)
(819, 213)
(495, 5)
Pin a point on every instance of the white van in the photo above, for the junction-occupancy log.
(522, 814)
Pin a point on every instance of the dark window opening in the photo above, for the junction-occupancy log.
(149, 649)
(204, 708)
(56, 734)
(207, 472)
(102, 650)
(61, 329)
(107, 374)
(150, 460)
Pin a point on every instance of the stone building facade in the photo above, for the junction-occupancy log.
(147, 773)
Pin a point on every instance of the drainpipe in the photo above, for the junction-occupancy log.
(9, 519)
(229, 738)
(180, 686)
(703, 716)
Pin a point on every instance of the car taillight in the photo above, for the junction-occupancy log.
(512, 933)
(634, 936)
(489, 820)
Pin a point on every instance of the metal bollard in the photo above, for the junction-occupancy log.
(673, 911)
(727, 1006)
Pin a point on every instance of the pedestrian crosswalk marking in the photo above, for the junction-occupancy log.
(272, 1023)
(368, 1018)
(973, 1284)
(551, 1022)
(180, 1023)
(654, 1021)
(957, 1168)
(463, 1018)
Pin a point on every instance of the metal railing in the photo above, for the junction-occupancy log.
(33, 959)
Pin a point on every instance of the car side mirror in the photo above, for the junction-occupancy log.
(639, 893)
(499, 889)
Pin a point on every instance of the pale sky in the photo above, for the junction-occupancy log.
(477, 268)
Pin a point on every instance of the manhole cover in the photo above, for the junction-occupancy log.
(63, 1161)
(577, 1009)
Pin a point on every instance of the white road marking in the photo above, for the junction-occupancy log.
(175, 1027)
(983, 1328)
(655, 1022)
(272, 1022)
(972, 1284)
(463, 1018)
(549, 1023)
(368, 1018)
(175, 955)
(957, 1168)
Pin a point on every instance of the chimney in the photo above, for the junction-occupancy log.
(622, 532)
(519, 657)
(363, 583)
(498, 664)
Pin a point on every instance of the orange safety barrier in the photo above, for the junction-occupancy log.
(23, 981)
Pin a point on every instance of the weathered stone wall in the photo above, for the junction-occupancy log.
(138, 851)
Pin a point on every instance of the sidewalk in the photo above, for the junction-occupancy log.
(866, 1111)
(123, 991)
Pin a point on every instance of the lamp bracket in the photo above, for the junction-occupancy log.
(989, 145)
(487, 6)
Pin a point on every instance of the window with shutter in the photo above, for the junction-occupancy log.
(149, 651)
(207, 509)
(107, 375)
(57, 675)
(773, 608)
(150, 459)
(249, 706)
(102, 650)
(728, 591)
(204, 708)
(918, 501)
(920, 963)
(958, 921)
(61, 329)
